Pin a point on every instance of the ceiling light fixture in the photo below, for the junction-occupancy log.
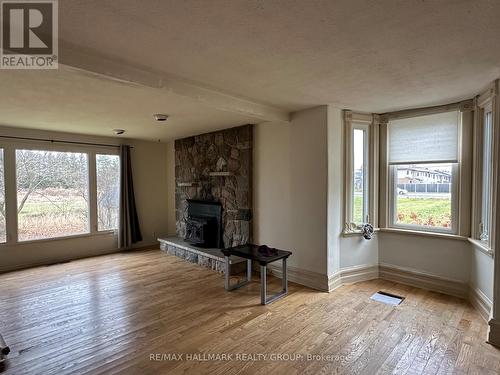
(118, 131)
(160, 117)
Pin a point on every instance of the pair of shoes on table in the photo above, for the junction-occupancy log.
(267, 251)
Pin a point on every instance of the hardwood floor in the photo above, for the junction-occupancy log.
(111, 314)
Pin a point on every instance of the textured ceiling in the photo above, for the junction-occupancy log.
(75, 102)
(366, 55)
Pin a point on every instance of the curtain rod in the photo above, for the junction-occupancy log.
(56, 141)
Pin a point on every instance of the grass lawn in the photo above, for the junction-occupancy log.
(44, 208)
(61, 216)
(419, 211)
(424, 207)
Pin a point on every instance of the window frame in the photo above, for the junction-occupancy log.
(35, 148)
(116, 152)
(462, 211)
(486, 191)
(369, 124)
(365, 215)
(484, 103)
(10, 147)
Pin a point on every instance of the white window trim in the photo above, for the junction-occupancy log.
(369, 123)
(461, 208)
(11, 220)
(487, 101)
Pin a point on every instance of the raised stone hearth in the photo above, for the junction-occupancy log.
(209, 258)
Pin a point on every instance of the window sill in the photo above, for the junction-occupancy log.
(425, 234)
(70, 237)
(481, 246)
(357, 233)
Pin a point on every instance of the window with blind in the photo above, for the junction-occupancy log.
(423, 164)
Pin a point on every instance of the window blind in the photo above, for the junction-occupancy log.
(424, 139)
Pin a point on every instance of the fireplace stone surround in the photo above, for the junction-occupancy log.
(217, 167)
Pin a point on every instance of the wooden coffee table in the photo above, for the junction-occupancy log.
(251, 253)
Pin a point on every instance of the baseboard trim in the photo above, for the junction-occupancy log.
(300, 276)
(334, 282)
(480, 302)
(356, 274)
(423, 280)
(351, 275)
(327, 284)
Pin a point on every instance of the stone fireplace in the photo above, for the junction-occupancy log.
(215, 169)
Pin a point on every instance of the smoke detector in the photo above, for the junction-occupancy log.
(118, 131)
(160, 117)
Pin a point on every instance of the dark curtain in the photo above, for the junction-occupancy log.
(130, 231)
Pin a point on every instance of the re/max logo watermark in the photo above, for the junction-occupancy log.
(29, 34)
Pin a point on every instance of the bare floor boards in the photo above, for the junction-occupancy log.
(110, 314)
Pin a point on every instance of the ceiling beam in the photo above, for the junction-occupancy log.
(74, 58)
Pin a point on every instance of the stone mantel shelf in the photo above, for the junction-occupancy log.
(220, 174)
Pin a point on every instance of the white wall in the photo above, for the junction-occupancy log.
(150, 183)
(446, 258)
(356, 251)
(482, 272)
(271, 185)
(290, 187)
(335, 188)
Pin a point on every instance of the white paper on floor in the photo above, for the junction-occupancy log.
(387, 298)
